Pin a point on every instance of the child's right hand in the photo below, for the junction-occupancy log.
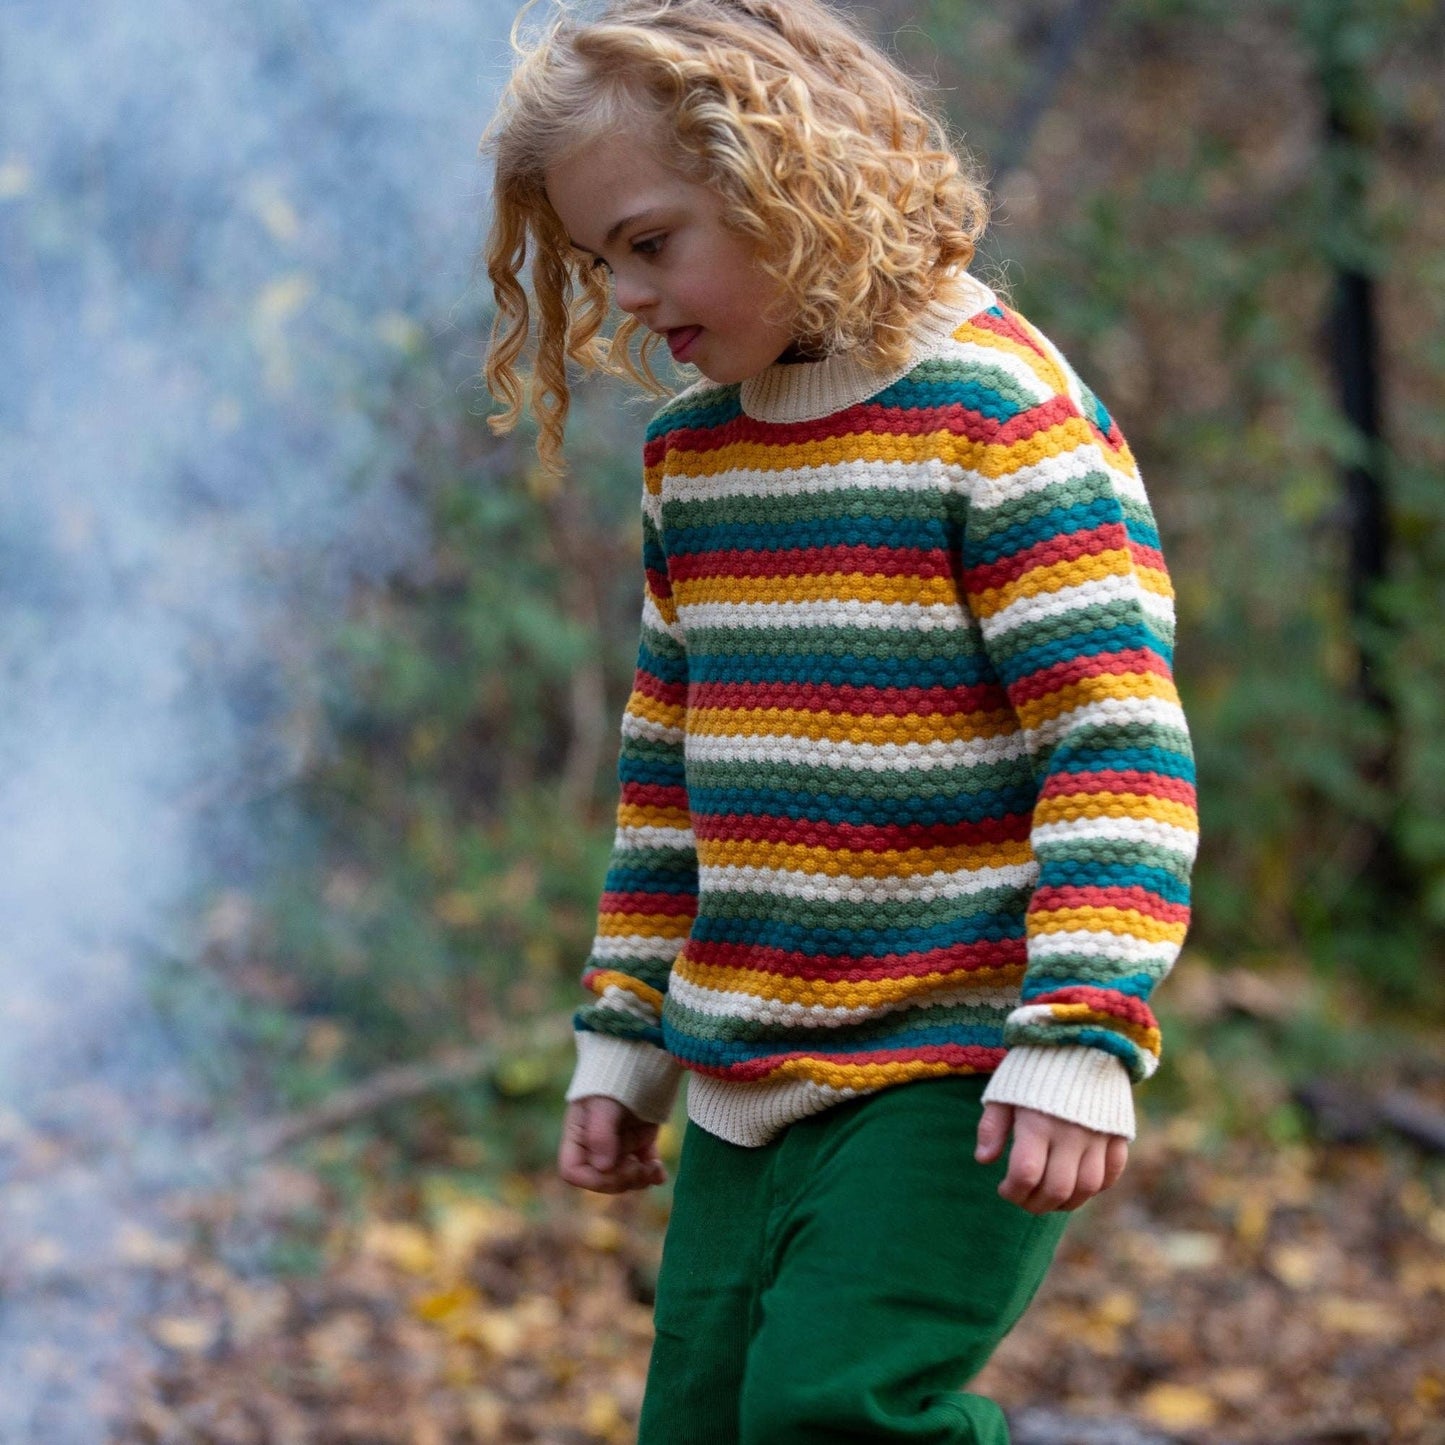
(607, 1148)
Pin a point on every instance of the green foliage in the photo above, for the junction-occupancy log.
(444, 885)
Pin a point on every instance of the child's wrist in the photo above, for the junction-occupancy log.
(1085, 1085)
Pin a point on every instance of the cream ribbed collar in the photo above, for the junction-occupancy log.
(790, 391)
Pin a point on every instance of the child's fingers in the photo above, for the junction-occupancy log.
(1059, 1181)
(1090, 1178)
(993, 1129)
(1028, 1165)
(1115, 1158)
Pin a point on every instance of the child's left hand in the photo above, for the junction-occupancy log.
(1054, 1163)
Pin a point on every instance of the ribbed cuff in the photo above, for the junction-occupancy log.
(637, 1074)
(1087, 1085)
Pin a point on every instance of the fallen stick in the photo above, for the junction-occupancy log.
(391, 1086)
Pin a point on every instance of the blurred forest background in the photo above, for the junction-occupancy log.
(1175, 209)
(1231, 217)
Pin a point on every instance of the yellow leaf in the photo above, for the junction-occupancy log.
(1117, 1307)
(1251, 1219)
(599, 1232)
(498, 1331)
(283, 297)
(1430, 1388)
(1179, 1407)
(1349, 1316)
(398, 330)
(438, 1306)
(136, 1245)
(600, 1415)
(1436, 1225)
(1295, 1265)
(464, 1224)
(1192, 1248)
(486, 1414)
(1421, 1276)
(186, 1334)
(538, 1312)
(1241, 1385)
(402, 1245)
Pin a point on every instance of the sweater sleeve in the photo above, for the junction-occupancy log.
(1063, 570)
(649, 896)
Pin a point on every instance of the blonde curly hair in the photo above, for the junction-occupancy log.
(857, 199)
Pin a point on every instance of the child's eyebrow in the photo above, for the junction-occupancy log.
(618, 227)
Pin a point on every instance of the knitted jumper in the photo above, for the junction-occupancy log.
(906, 788)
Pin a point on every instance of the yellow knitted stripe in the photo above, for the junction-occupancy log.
(816, 452)
(860, 1076)
(638, 815)
(1075, 807)
(859, 862)
(1042, 367)
(1082, 1013)
(1153, 579)
(1105, 687)
(1093, 919)
(840, 993)
(654, 710)
(607, 978)
(844, 727)
(642, 925)
(818, 587)
(1054, 577)
(999, 459)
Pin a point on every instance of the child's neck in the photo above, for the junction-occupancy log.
(800, 351)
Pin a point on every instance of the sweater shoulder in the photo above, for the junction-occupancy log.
(703, 403)
(1003, 365)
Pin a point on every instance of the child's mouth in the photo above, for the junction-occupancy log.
(680, 341)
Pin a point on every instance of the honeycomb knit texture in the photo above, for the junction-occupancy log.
(906, 787)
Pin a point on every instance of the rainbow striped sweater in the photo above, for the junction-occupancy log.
(906, 788)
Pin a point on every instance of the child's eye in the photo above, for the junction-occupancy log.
(655, 242)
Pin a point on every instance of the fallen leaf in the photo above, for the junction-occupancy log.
(1179, 1407)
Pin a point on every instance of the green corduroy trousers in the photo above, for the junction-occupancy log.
(845, 1281)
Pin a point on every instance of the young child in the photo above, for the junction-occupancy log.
(907, 811)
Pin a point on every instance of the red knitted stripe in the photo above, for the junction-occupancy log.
(1006, 325)
(855, 837)
(1129, 663)
(679, 905)
(863, 419)
(1103, 1001)
(658, 581)
(1134, 781)
(1007, 955)
(648, 684)
(1108, 537)
(1141, 900)
(1145, 556)
(974, 1057)
(847, 701)
(655, 795)
(923, 562)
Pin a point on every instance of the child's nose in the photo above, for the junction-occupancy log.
(633, 294)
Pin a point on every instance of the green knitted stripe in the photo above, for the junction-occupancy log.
(874, 913)
(823, 783)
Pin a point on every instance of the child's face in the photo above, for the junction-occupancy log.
(674, 266)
